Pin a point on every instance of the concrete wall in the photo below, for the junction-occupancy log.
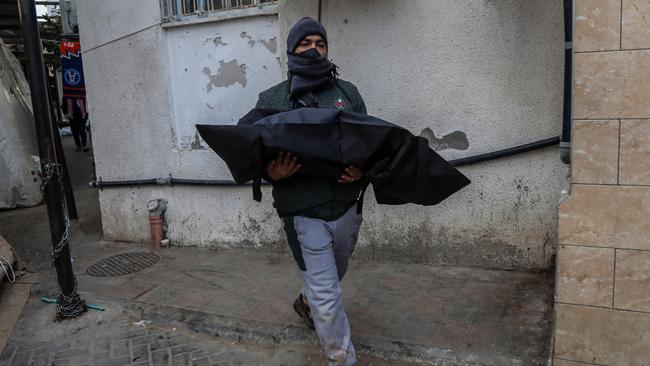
(488, 70)
(216, 71)
(147, 87)
(491, 70)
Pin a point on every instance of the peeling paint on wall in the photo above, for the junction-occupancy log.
(456, 140)
(228, 74)
(271, 44)
(192, 142)
(196, 144)
(251, 41)
(218, 41)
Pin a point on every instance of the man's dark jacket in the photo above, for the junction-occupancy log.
(402, 167)
(310, 196)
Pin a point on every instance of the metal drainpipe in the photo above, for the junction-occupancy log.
(320, 6)
(170, 181)
(505, 152)
(565, 143)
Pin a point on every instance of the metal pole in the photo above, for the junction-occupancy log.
(60, 155)
(70, 304)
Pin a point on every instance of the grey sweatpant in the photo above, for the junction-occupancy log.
(322, 250)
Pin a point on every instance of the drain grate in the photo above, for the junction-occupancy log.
(122, 264)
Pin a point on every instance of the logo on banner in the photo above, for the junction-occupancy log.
(72, 76)
(73, 80)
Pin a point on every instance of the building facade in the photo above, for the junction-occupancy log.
(474, 76)
(603, 274)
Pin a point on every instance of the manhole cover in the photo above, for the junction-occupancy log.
(122, 264)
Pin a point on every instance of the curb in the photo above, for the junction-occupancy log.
(265, 333)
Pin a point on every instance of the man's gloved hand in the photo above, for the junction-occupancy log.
(352, 174)
(284, 166)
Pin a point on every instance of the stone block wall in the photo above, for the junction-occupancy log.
(603, 268)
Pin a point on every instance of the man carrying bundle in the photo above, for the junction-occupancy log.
(319, 215)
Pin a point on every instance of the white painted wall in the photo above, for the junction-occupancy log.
(216, 71)
(491, 69)
(135, 79)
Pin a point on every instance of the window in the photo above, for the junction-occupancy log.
(173, 10)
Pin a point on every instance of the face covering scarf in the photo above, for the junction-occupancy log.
(309, 72)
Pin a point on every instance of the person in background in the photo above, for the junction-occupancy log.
(75, 111)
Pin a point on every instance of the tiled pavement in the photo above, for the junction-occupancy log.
(445, 315)
(120, 337)
(130, 346)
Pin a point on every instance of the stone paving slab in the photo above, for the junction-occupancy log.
(12, 301)
(116, 337)
(130, 345)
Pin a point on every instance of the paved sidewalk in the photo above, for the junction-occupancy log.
(129, 345)
(413, 312)
(228, 307)
(445, 315)
(114, 338)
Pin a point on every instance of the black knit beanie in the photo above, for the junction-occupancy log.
(303, 28)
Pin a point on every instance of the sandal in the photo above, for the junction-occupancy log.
(303, 310)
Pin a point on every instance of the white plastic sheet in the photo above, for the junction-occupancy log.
(20, 184)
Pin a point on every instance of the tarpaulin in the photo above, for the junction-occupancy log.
(19, 162)
(401, 167)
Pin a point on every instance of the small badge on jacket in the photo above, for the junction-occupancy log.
(339, 103)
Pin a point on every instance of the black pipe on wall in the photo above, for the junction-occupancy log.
(170, 181)
(506, 152)
(320, 10)
(565, 143)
